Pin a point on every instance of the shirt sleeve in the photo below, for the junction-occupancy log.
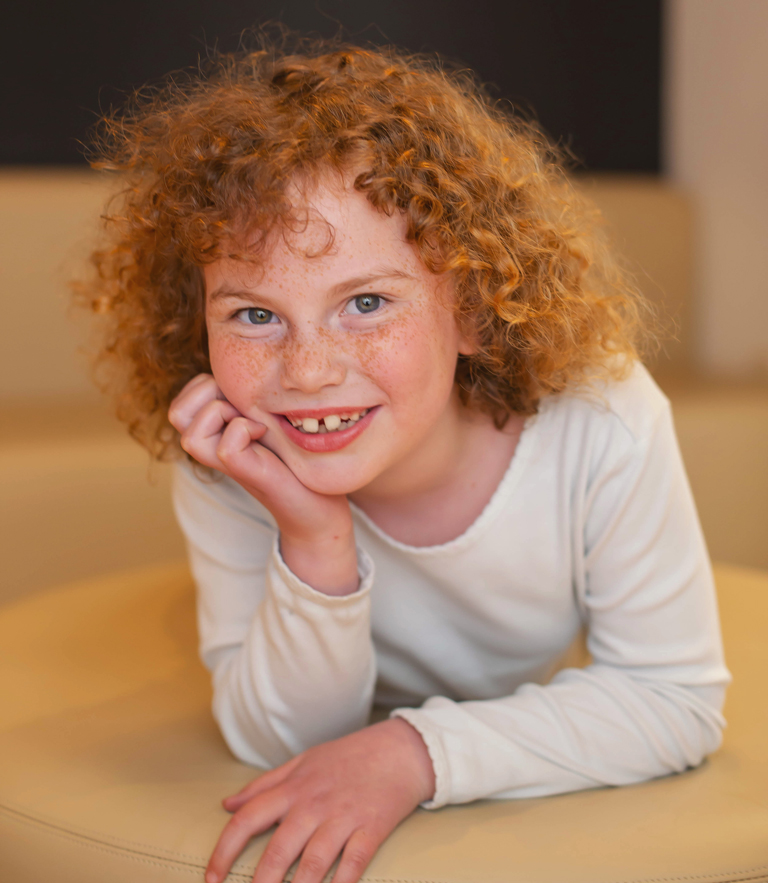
(650, 703)
(292, 667)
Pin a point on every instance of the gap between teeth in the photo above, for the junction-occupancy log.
(331, 423)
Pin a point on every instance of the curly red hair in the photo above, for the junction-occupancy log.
(484, 194)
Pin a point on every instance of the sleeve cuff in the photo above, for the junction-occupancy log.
(436, 755)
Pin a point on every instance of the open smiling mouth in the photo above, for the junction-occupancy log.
(329, 433)
(330, 423)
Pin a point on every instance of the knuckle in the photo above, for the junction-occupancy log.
(314, 863)
(276, 857)
(357, 857)
(240, 822)
(223, 452)
(176, 417)
(231, 441)
(244, 820)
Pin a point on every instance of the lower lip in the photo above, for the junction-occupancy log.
(322, 443)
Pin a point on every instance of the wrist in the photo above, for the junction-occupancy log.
(422, 770)
(328, 564)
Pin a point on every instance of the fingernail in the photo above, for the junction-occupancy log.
(211, 877)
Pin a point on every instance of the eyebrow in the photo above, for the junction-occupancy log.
(348, 285)
(380, 273)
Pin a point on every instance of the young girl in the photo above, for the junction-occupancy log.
(421, 452)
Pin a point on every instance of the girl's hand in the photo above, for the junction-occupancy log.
(345, 796)
(316, 535)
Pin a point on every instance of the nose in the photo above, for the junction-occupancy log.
(311, 361)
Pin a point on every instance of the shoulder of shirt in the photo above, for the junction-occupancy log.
(219, 490)
(634, 402)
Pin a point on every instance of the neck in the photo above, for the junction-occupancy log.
(447, 454)
(442, 490)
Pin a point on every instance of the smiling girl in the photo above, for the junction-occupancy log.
(421, 452)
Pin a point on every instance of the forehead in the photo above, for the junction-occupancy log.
(333, 232)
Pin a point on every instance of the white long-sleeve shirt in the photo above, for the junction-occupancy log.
(593, 524)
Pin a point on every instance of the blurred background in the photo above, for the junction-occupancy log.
(663, 104)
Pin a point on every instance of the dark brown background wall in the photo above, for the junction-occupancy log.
(590, 69)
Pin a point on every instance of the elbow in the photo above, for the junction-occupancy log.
(700, 723)
(710, 738)
(247, 742)
(710, 701)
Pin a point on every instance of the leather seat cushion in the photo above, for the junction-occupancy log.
(112, 769)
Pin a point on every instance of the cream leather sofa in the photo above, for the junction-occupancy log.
(112, 770)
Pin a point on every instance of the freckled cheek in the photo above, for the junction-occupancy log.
(241, 369)
(409, 359)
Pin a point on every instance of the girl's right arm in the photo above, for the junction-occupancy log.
(283, 609)
(316, 535)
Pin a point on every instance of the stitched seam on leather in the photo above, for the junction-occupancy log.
(144, 858)
(90, 834)
(723, 877)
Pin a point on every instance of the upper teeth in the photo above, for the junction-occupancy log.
(331, 422)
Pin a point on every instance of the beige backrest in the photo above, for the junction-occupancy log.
(649, 221)
(47, 218)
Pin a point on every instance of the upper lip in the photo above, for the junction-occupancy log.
(318, 413)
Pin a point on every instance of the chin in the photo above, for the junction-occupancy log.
(330, 484)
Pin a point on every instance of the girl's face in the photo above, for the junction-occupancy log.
(364, 327)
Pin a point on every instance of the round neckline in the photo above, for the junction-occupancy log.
(503, 490)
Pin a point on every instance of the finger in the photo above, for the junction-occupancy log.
(283, 849)
(320, 853)
(267, 780)
(242, 432)
(244, 460)
(258, 469)
(189, 392)
(198, 392)
(261, 472)
(202, 436)
(212, 418)
(254, 818)
(357, 855)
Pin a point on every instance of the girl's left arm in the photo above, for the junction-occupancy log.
(650, 703)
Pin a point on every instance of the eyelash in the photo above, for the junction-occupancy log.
(247, 310)
(371, 312)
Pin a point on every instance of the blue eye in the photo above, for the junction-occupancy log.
(367, 303)
(256, 316)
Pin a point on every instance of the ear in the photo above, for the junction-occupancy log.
(469, 343)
